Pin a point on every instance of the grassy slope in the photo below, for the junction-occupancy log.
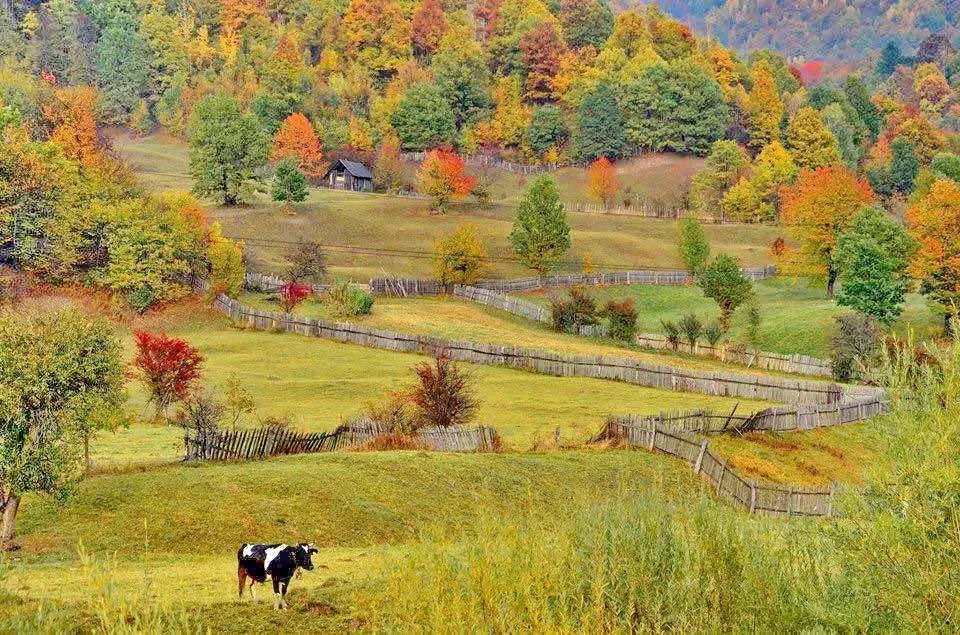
(319, 383)
(457, 319)
(174, 531)
(796, 317)
(376, 221)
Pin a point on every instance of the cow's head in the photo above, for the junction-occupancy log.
(304, 552)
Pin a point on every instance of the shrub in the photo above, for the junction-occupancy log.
(289, 183)
(691, 327)
(200, 412)
(226, 263)
(460, 256)
(753, 322)
(306, 263)
(672, 333)
(141, 298)
(693, 245)
(349, 300)
(622, 316)
(854, 344)
(443, 394)
(168, 368)
(292, 294)
(576, 311)
(713, 333)
(724, 282)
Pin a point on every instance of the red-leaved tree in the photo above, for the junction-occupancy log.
(443, 394)
(444, 177)
(167, 366)
(292, 294)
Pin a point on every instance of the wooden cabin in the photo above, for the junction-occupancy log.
(349, 175)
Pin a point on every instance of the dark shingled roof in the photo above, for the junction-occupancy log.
(358, 170)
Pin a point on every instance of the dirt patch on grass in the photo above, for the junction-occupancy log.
(321, 608)
(769, 440)
(754, 465)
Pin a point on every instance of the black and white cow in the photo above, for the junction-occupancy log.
(279, 561)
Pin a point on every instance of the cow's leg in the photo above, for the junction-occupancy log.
(283, 592)
(241, 580)
(253, 589)
(276, 592)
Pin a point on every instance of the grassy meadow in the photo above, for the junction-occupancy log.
(318, 384)
(797, 317)
(452, 318)
(397, 235)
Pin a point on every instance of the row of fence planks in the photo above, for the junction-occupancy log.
(634, 371)
(776, 419)
(269, 441)
(793, 364)
(756, 498)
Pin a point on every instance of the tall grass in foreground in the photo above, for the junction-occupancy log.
(637, 563)
(105, 609)
(641, 561)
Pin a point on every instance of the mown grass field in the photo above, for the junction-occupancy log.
(398, 234)
(318, 384)
(796, 317)
(452, 318)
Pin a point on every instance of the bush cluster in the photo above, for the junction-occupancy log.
(349, 300)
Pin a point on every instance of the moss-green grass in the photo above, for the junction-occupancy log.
(318, 384)
(175, 530)
(376, 221)
(797, 317)
(452, 318)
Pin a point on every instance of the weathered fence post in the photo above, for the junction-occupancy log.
(653, 436)
(703, 450)
(753, 496)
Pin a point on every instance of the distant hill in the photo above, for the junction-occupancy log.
(829, 29)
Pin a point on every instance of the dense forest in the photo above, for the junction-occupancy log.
(839, 30)
(263, 87)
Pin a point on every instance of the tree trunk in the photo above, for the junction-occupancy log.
(831, 281)
(86, 455)
(12, 504)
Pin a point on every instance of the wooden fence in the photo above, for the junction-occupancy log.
(268, 441)
(270, 284)
(487, 160)
(793, 364)
(757, 498)
(634, 371)
(776, 419)
(672, 277)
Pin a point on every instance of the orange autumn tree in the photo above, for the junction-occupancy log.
(73, 125)
(296, 139)
(602, 181)
(444, 178)
(817, 207)
(934, 222)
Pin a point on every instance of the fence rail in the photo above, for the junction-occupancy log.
(269, 441)
(757, 498)
(674, 277)
(793, 364)
(720, 383)
(776, 419)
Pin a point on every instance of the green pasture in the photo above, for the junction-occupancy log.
(397, 235)
(797, 317)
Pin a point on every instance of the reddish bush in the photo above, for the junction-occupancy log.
(167, 366)
(443, 395)
(292, 294)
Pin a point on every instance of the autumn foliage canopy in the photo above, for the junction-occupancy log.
(934, 222)
(443, 177)
(167, 366)
(602, 180)
(817, 208)
(296, 139)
